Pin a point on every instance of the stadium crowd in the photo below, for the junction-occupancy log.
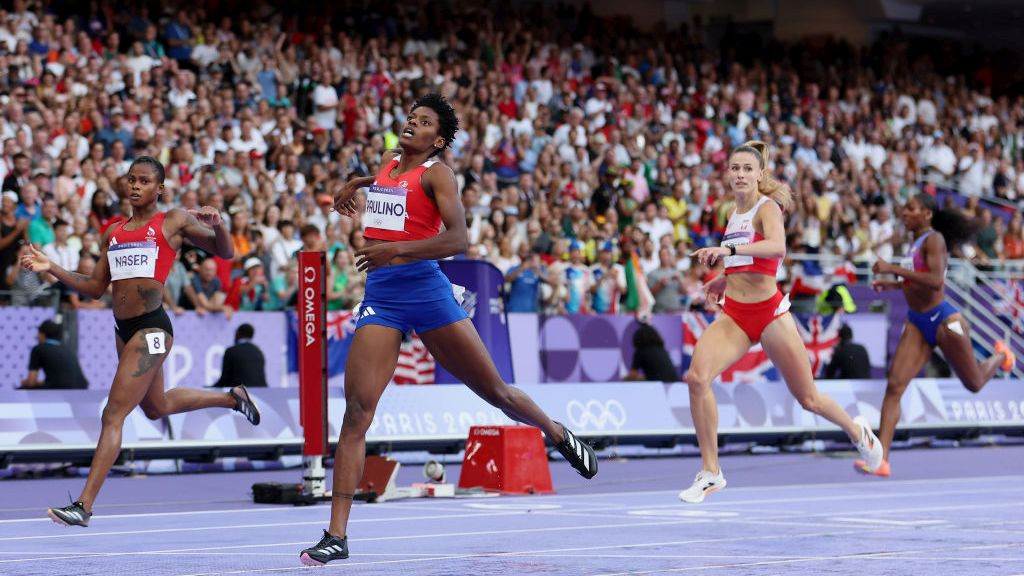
(590, 155)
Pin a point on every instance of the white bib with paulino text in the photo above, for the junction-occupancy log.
(386, 208)
(132, 260)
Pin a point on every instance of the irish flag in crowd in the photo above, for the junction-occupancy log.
(639, 299)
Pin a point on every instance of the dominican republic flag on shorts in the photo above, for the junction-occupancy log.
(819, 333)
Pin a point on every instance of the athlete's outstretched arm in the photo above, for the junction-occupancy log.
(204, 228)
(93, 286)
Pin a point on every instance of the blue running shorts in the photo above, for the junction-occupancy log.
(928, 322)
(414, 296)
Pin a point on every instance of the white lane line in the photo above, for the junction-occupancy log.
(898, 556)
(446, 535)
(319, 521)
(908, 523)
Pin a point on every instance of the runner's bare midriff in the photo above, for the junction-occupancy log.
(394, 261)
(136, 296)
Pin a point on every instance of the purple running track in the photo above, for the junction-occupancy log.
(945, 512)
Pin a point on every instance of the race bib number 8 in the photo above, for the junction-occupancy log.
(386, 208)
(156, 342)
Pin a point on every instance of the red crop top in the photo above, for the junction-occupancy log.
(740, 230)
(398, 209)
(140, 253)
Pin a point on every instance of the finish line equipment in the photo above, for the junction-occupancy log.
(506, 459)
(312, 311)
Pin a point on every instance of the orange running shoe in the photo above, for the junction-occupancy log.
(1011, 358)
(862, 467)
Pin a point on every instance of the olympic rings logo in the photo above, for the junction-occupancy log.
(596, 415)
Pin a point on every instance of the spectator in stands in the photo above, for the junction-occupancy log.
(27, 288)
(651, 361)
(666, 284)
(286, 285)
(77, 301)
(174, 287)
(57, 361)
(59, 251)
(344, 282)
(30, 206)
(312, 240)
(609, 281)
(579, 281)
(12, 234)
(205, 294)
(524, 283)
(41, 230)
(849, 359)
(986, 240)
(243, 363)
(1013, 239)
(20, 175)
(251, 291)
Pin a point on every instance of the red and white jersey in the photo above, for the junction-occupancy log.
(398, 208)
(739, 231)
(140, 253)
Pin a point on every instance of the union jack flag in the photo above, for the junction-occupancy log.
(340, 324)
(819, 333)
(415, 364)
(1011, 304)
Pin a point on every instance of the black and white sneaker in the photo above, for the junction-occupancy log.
(329, 548)
(245, 405)
(73, 514)
(579, 454)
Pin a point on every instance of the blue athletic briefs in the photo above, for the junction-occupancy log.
(414, 296)
(928, 322)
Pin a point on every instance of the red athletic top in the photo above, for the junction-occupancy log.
(398, 209)
(140, 253)
(740, 230)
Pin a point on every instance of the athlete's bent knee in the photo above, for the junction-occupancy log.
(696, 381)
(357, 419)
(895, 388)
(973, 385)
(809, 402)
(152, 412)
(113, 414)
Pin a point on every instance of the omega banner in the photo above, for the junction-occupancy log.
(312, 351)
(51, 419)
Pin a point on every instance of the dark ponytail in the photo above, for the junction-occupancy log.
(953, 225)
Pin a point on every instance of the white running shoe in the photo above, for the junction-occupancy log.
(705, 483)
(869, 446)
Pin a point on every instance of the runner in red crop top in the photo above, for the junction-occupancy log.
(741, 231)
(406, 290)
(142, 252)
(137, 255)
(397, 207)
(754, 311)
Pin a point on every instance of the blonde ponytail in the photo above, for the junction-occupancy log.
(769, 186)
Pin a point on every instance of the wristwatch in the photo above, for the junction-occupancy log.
(732, 249)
